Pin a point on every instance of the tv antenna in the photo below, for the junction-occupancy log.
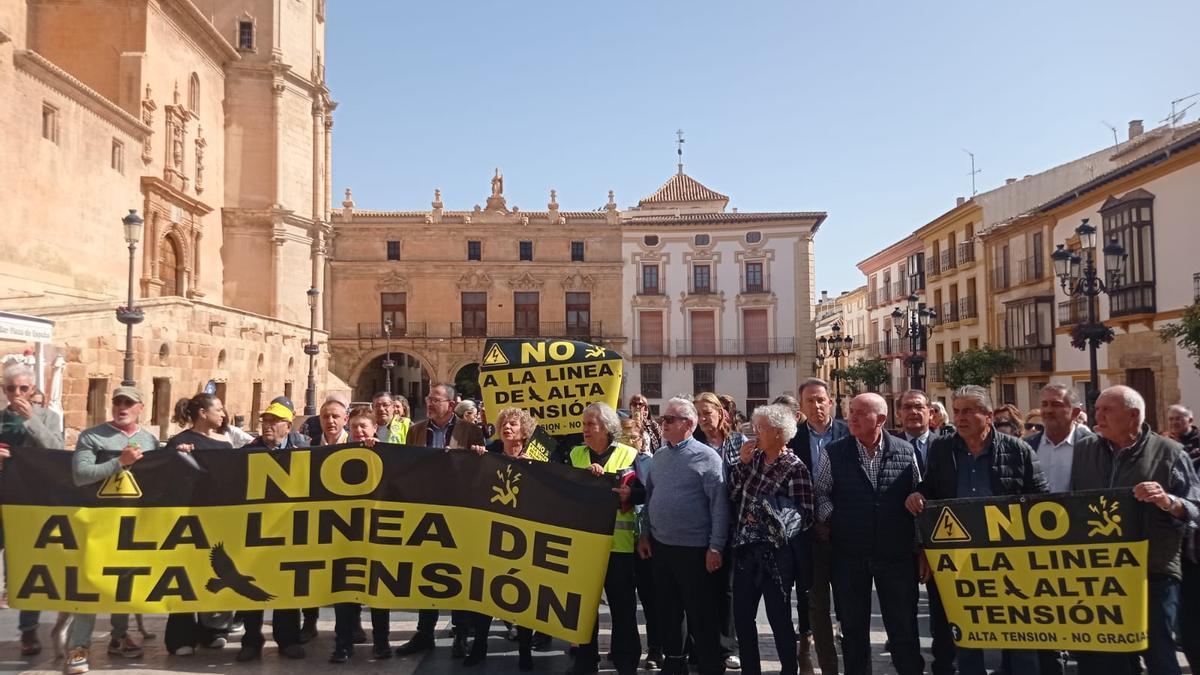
(974, 171)
(679, 148)
(1116, 141)
(1175, 117)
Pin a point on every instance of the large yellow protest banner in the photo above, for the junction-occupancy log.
(390, 527)
(1062, 571)
(554, 380)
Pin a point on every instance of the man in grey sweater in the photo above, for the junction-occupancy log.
(103, 451)
(687, 509)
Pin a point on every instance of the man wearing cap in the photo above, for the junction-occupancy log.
(275, 428)
(104, 451)
(24, 424)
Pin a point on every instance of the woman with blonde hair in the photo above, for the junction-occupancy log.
(652, 437)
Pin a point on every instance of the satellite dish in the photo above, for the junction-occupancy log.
(211, 388)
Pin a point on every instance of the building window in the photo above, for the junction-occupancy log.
(118, 156)
(703, 240)
(916, 272)
(49, 122)
(758, 383)
(1131, 220)
(526, 250)
(754, 278)
(245, 34)
(753, 237)
(702, 279)
(704, 377)
(650, 280)
(650, 340)
(97, 401)
(525, 313)
(650, 240)
(474, 250)
(394, 307)
(577, 251)
(755, 332)
(194, 93)
(393, 250)
(651, 378)
(579, 314)
(474, 314)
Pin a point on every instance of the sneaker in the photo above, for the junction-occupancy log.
(30, 644)
(186, 650)
(218, 642)
(124, 647)
(77, 661)
(654, 659)
(236, 626)
(340, 655)
(732, 662)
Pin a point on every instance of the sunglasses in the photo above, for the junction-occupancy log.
(668, 419)
(1034, 427)
(10, 388)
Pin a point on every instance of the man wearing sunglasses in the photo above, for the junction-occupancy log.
(24, 425)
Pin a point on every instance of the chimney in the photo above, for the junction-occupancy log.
(1009, 181)
(1135, 129)
(824, 296)
(735, 209)
(960, 201)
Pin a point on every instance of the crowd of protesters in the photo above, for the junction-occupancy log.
(717, 516)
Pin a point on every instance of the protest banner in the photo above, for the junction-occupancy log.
(553, 380)
(1061, 571)
(389, 527)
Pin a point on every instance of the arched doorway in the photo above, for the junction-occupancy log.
(168, 267)
(466, 381)
(409, 378)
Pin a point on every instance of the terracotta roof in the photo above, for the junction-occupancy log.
(682, 188)
(721, 218)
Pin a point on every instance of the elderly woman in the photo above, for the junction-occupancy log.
(773, 503)
(639, 408)
(467, 411)
(939, 419)
(601, 453)
(1009, 420)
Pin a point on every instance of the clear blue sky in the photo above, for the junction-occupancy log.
(860, 109)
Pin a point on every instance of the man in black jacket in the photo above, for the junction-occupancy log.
(813, 601)
(978, 461)
(860, 491)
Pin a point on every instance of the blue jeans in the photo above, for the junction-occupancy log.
(27, 619)
(1023, 661)
(82, 625)
(1164, 610)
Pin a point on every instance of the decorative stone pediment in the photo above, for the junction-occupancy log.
(702, 301)
(577, 281)
(475, 281)
(393, 282)
(651, 301)
(754, 252)
(757, 300)
(525, 281)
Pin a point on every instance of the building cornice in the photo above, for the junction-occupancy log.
(154, 184)
(190, 17)
(894, 253)
(60, 80)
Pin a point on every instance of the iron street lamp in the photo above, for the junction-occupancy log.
(310, 394)
(913, 322)
(835, 347)
(1079, 277)
(129, 314)
(388, 363)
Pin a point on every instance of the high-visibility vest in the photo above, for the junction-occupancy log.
(624, 536)
(398, 429)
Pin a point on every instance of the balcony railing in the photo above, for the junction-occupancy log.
(1132, 299)
(752, 347)
(934, 372)
(1034, 359)
(874, 350)
(650, 348)
(899, 290)
(1001, 278)
(1073, 311)
(651, 290)
(412, 329)
(1196, 288)
(933, 266)
(695, 289)
(950, 312)
(949, 261)
(762, 285)
(399, 330)
(966, 252)
(1032, 268)
(966, 308)
(873, 298)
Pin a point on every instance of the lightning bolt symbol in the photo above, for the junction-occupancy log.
(949, 527)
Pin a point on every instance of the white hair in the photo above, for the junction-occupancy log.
(980, 394)
(1131, 399)
(465, 407)
(16, 370)
(878, 403)
(608, 418)
(1182, 409)
(779, 416)
(686, 409)
(447, 389)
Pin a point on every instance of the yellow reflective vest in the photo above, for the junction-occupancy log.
(624, 536)
(398, 429)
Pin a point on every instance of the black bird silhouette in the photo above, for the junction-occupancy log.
(229, 577)
(1011, 589)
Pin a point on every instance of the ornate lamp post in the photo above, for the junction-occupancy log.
(388, 363)
(1080, 279)
(129, 314)
(310, 394)
(835, 347)
(913, 322)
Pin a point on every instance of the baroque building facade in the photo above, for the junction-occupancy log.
(212, 119)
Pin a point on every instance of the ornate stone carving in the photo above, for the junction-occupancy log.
(148, 108)
(200, 145)
(577, 281)
(525, 281)
(393, 282)
(475, 281)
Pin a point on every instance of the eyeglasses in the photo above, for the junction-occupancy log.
(640, 404)
(10, 388)
(430, 399)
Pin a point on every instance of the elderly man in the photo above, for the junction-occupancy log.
(601, 454)
(24, 424)
(100, 452)
(442, 429)
(916, 413)
(392, 427)
(275, 426)
(978, 462)
(860, 491)
(687, 511)
(1126, 453)
(812, 595)
(1182, 429)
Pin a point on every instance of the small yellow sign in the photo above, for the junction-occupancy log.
(950, 528)
(121, 484)
(495, 357)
